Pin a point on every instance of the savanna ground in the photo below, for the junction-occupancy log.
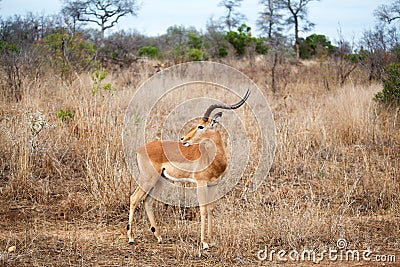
(64, 185)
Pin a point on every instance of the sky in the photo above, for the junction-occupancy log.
(351, 17)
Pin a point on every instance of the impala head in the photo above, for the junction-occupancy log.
(206, 127)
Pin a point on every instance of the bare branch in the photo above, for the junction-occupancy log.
(105, 13)
(388, 13)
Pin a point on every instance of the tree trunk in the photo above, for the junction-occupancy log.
(296, 36)
(273, 72)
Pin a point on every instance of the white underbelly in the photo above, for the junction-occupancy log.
(182, 176)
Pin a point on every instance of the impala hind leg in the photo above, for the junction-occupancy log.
(148, 205)
(134, 201)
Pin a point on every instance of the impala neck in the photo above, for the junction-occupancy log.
(215, 143)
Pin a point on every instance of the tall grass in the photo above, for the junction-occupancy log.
(335, 175)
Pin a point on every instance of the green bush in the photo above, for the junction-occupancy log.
(8, 48)
(194, 41)
(391, 86)
(315, 45)
(149, 51)
(222, 52)
(261, 46)
(68, 54)
(240, 39)
(197, 54)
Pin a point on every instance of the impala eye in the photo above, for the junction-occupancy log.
(201, 127)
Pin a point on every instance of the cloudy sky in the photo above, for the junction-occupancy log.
(352, 17)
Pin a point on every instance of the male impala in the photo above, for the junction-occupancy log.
(198, 158)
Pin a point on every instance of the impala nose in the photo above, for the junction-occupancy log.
(184, 143)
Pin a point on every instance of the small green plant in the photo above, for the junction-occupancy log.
(98, 78)
(65, 115)
(391, 86)
(138, 120)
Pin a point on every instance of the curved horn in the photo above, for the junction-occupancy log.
(234, 106)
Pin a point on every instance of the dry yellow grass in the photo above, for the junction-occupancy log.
(64, 190)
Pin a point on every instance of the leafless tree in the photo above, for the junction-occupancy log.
(344, 65)
(389, 12)
(270, 21)
(297, 17)
(20, 55)
(379, 44)
(104, 13)
(233, 18)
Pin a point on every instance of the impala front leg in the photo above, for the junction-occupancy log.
(202, 197)
(211, 198)
(203, 215)
(210, 211)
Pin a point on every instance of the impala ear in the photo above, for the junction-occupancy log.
(216, 119)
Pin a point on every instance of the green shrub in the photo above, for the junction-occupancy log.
(240, 39)
(149, 51)
(68, 54)
(391, 86)
(194, 41)
(8, 48)
(222, 52)
(261, 46)
(197, 54)
(315, 45)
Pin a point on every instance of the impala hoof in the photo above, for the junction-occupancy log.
(159, 240)
(205, 246)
